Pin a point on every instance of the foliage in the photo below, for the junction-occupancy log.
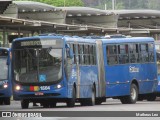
(60, 2)
(119, 4)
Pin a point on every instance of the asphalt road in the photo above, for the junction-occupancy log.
(111, 106)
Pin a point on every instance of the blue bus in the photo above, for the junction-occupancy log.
(5, 76)
(51, 69)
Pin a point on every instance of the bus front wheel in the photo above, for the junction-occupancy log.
(7, 101)
(24, 104)
(93, 97)
(90, 101)
(1, 102)
(71, 101)
(132, 98)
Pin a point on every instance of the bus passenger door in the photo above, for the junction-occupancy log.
(78, 73)
(101, 72)
(76, 70)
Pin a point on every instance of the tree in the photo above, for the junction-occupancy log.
(60, 2)
(152, 5)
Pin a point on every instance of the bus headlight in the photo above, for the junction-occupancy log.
(5, 85)
(59, 86)
(18, 87)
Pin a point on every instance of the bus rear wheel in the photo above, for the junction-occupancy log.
(132, 98)
(151, 97)
(71, 101)
(24, 104)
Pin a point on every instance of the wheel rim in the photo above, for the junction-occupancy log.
(133, 94)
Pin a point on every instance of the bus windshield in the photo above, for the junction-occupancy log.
(3, 67)
(37, 65)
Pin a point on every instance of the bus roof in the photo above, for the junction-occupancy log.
(127, 40)
(90, 40)
(36, 37)
(64, 37)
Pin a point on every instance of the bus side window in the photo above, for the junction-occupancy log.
(91, 54)
(94, 55)
(80, 54)
(144, 53)
(111, 54)
(73, 47)
(151, 52)
(123, 54)
(86, 60)
(133, 53)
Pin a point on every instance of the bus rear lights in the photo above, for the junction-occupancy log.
(18, 87)
(5, 85)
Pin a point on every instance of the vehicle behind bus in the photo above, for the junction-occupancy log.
(5, 76)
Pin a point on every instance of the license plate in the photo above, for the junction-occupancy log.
(44, 88)
(39, 93)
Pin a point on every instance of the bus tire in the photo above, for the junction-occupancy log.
(151, 97)
(132, 98)
(98, 102)
(1, 102)
(7, 101)
(53, 104)
(140, 98)
(71, 101)
(84, 102)
(24, 104)
(91, 101)
(46, 104)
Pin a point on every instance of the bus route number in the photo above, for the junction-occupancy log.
(45, 88)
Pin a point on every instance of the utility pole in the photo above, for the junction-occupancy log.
(105, 7)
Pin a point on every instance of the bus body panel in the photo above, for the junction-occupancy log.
(120, 76)
(52, 93)
(158, 87)
(88, 76)
(118, 79)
